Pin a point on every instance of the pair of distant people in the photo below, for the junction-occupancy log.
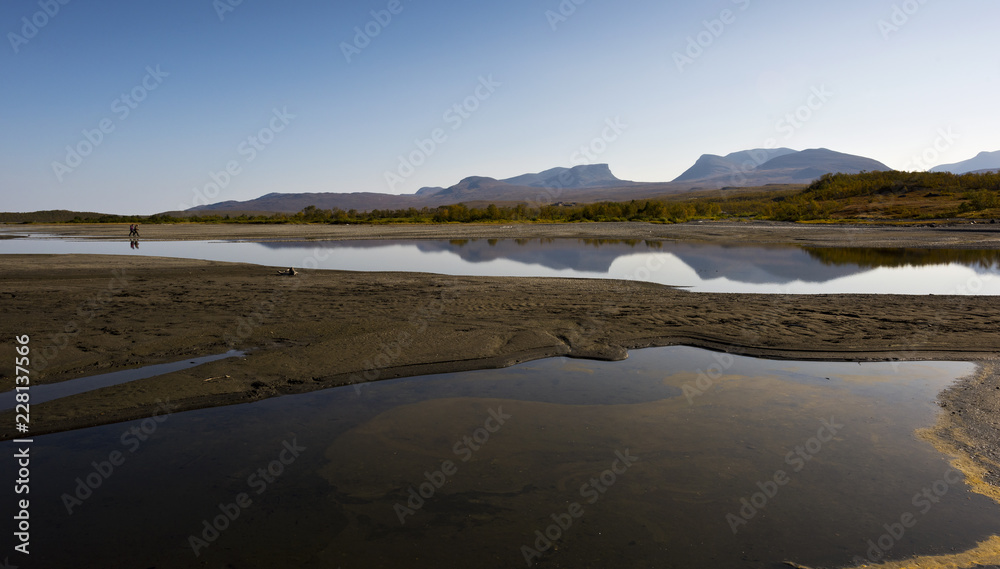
(133, 230)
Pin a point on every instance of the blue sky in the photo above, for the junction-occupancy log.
(265, 90)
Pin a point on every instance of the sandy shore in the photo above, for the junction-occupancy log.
(94, 314)
(963, 236)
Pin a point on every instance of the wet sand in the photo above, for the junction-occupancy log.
(94, 314)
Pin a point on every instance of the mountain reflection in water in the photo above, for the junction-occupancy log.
(699, 267)
(702, 267)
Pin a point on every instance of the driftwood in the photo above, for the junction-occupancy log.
(216, 377)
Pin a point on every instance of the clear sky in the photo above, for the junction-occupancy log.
(157, 99)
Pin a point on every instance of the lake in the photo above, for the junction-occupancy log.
(676, 457)
(697, 267)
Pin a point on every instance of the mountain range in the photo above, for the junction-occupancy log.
(761, 166)
(590, 182)
(594, 182)
(982, 162)
(712, 165)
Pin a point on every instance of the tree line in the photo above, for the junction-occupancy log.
(833, 197)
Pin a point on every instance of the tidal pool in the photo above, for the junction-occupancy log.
(697, 267)
(676, 457)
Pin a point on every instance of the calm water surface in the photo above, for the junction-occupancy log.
(700, 267)
(501, 454)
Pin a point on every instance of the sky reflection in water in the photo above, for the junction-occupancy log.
(698, 267)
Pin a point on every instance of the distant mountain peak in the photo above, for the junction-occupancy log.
(429, 190)
(581, 176)
(982, 161)
(776, 165)
(476, 182)
(713, 165)
(818, 161)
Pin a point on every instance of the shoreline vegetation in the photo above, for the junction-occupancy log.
(864, 197)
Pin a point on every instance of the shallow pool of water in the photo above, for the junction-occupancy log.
(698, 267)
(677, 457)
(43, 393)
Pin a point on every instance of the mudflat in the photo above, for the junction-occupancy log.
(92, 314)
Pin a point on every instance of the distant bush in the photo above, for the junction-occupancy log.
(840, 186)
